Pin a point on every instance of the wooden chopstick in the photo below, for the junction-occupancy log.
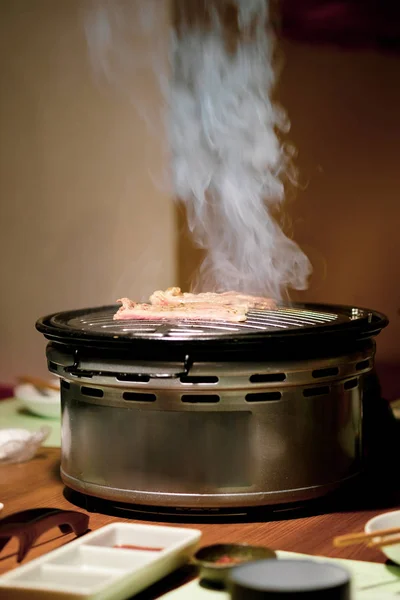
(360, 538)
(390, 541)
(37, 382)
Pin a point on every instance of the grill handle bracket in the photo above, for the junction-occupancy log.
(76, 371)
(187, 364)
(74, 368)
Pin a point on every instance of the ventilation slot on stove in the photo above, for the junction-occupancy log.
(267, 378)
(134, 378)
(139, 397)
(264, 397)
(351, 384)
(200, 398)
(93, 392)
(65, 384)
(364, 364)
(317, 391)
(319, 373)
(199, 379)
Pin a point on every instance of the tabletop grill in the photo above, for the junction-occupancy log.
(212, 414)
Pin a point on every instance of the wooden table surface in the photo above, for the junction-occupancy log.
(37, 484)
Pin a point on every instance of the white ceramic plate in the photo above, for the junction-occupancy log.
(385, 521)
(46, 404)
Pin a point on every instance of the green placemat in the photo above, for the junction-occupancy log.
(13, 414)
(370, 581)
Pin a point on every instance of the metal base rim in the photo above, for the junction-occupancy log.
(228, 500)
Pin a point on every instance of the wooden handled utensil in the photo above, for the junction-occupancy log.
(376, 539)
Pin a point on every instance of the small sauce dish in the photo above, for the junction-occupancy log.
(215, 562)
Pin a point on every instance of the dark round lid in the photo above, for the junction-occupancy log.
(285, 579)
(301, 326)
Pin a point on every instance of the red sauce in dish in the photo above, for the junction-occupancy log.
(228, 560)
(130, 547)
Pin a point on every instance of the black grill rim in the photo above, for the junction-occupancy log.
(357, 330)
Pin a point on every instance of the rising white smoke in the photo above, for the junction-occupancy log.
(228, 164)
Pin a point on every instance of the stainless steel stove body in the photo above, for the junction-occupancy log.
(211, 415)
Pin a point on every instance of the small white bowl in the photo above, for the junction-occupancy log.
(385, 521)
(46, 404)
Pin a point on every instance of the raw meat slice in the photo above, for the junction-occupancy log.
(174, 295)
(205, 311)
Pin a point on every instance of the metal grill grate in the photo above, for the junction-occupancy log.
(258, 321)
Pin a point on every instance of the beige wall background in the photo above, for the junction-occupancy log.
(345, 112)
(82, 221)
(346, 124)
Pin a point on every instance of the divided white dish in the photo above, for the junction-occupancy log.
(92, 567)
